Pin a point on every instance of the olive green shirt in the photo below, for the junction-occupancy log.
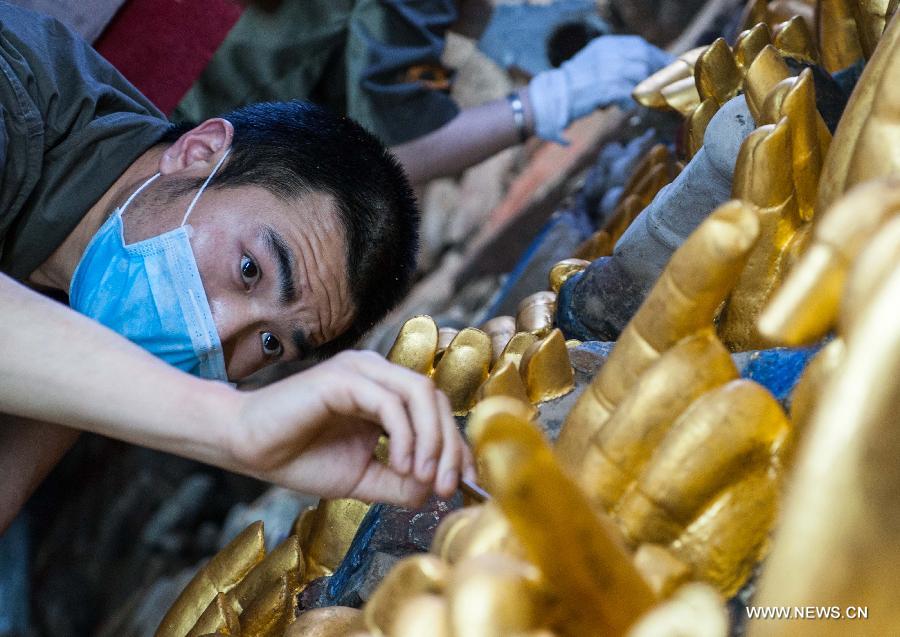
(71, 125)
(352, 56)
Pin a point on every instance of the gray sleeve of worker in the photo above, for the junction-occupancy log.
(676, 211)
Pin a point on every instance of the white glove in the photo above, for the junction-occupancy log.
(603, 73)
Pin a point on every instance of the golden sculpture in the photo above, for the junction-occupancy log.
(872, 17)
(463, 368)
(648, 93)
(501, 329)
(536, 313)
(749, 44)
(569, 544)
(532, 366)
(783, 196)
(866, 141)
(805, 308)
(846, 470)
(836, 29)
(717, 74)
(794, 39)
(564, 269)
(684, 300)
(325, 533)
(240, 591)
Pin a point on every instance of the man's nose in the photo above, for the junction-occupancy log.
(236, 315)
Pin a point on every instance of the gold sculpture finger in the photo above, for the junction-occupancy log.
(766, 71)
(684, 300)
(873, 265)
(222, 573)
(516, 347)
(696, 125)
(332, 621)
(682, 96)
(648, 92)
(270, 613)
(564, 269)
(219, 618)
(410, 577)
(475, 531)
(416, 345)
(696, 610)
(726, 542)
(722, 435)
(866, 141)
(536, 313)
(750, 43)
(871, 18)
(709, 490)
(782, 10)
(810, 141)
(326, 532)
(494, 595)
(597, 589)
(624, 444)
(662, 570)
(755, 11)
(717, 74)
(794, 39)
(504, 380)
(546, 369)
(847, 474)
(463, 368)
(770, 188)
(806, 305)
(808, 391)
(500, 329)
(424, 614)
(837, 32)
(285, 560)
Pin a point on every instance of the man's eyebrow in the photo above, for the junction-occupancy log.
(285, 259)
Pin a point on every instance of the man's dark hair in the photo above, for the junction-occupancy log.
(295, 148)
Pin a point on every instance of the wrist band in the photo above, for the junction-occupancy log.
(518, 113)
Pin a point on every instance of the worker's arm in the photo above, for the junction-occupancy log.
(602, 74)
(29, 449)
(314, 432)
(468, 139)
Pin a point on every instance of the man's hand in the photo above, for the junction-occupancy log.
(603, 73)
(316, 432)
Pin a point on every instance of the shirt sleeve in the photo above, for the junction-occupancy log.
(396, 85)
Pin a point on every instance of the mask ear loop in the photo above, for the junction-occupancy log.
(203, 187)
(131, 197)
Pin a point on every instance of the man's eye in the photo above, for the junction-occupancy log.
(249, 270)
(270, 344)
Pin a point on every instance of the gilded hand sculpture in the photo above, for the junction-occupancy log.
(846, 470)
(684, 300)
(240, 591)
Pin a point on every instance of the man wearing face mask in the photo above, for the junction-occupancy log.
(274, 232)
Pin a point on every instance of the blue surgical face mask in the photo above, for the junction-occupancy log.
(150, 292)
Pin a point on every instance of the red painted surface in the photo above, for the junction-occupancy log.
(162, 46)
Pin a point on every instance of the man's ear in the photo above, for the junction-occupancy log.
(199, 148)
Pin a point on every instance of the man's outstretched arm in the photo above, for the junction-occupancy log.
(314, 432)
(603, 73)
